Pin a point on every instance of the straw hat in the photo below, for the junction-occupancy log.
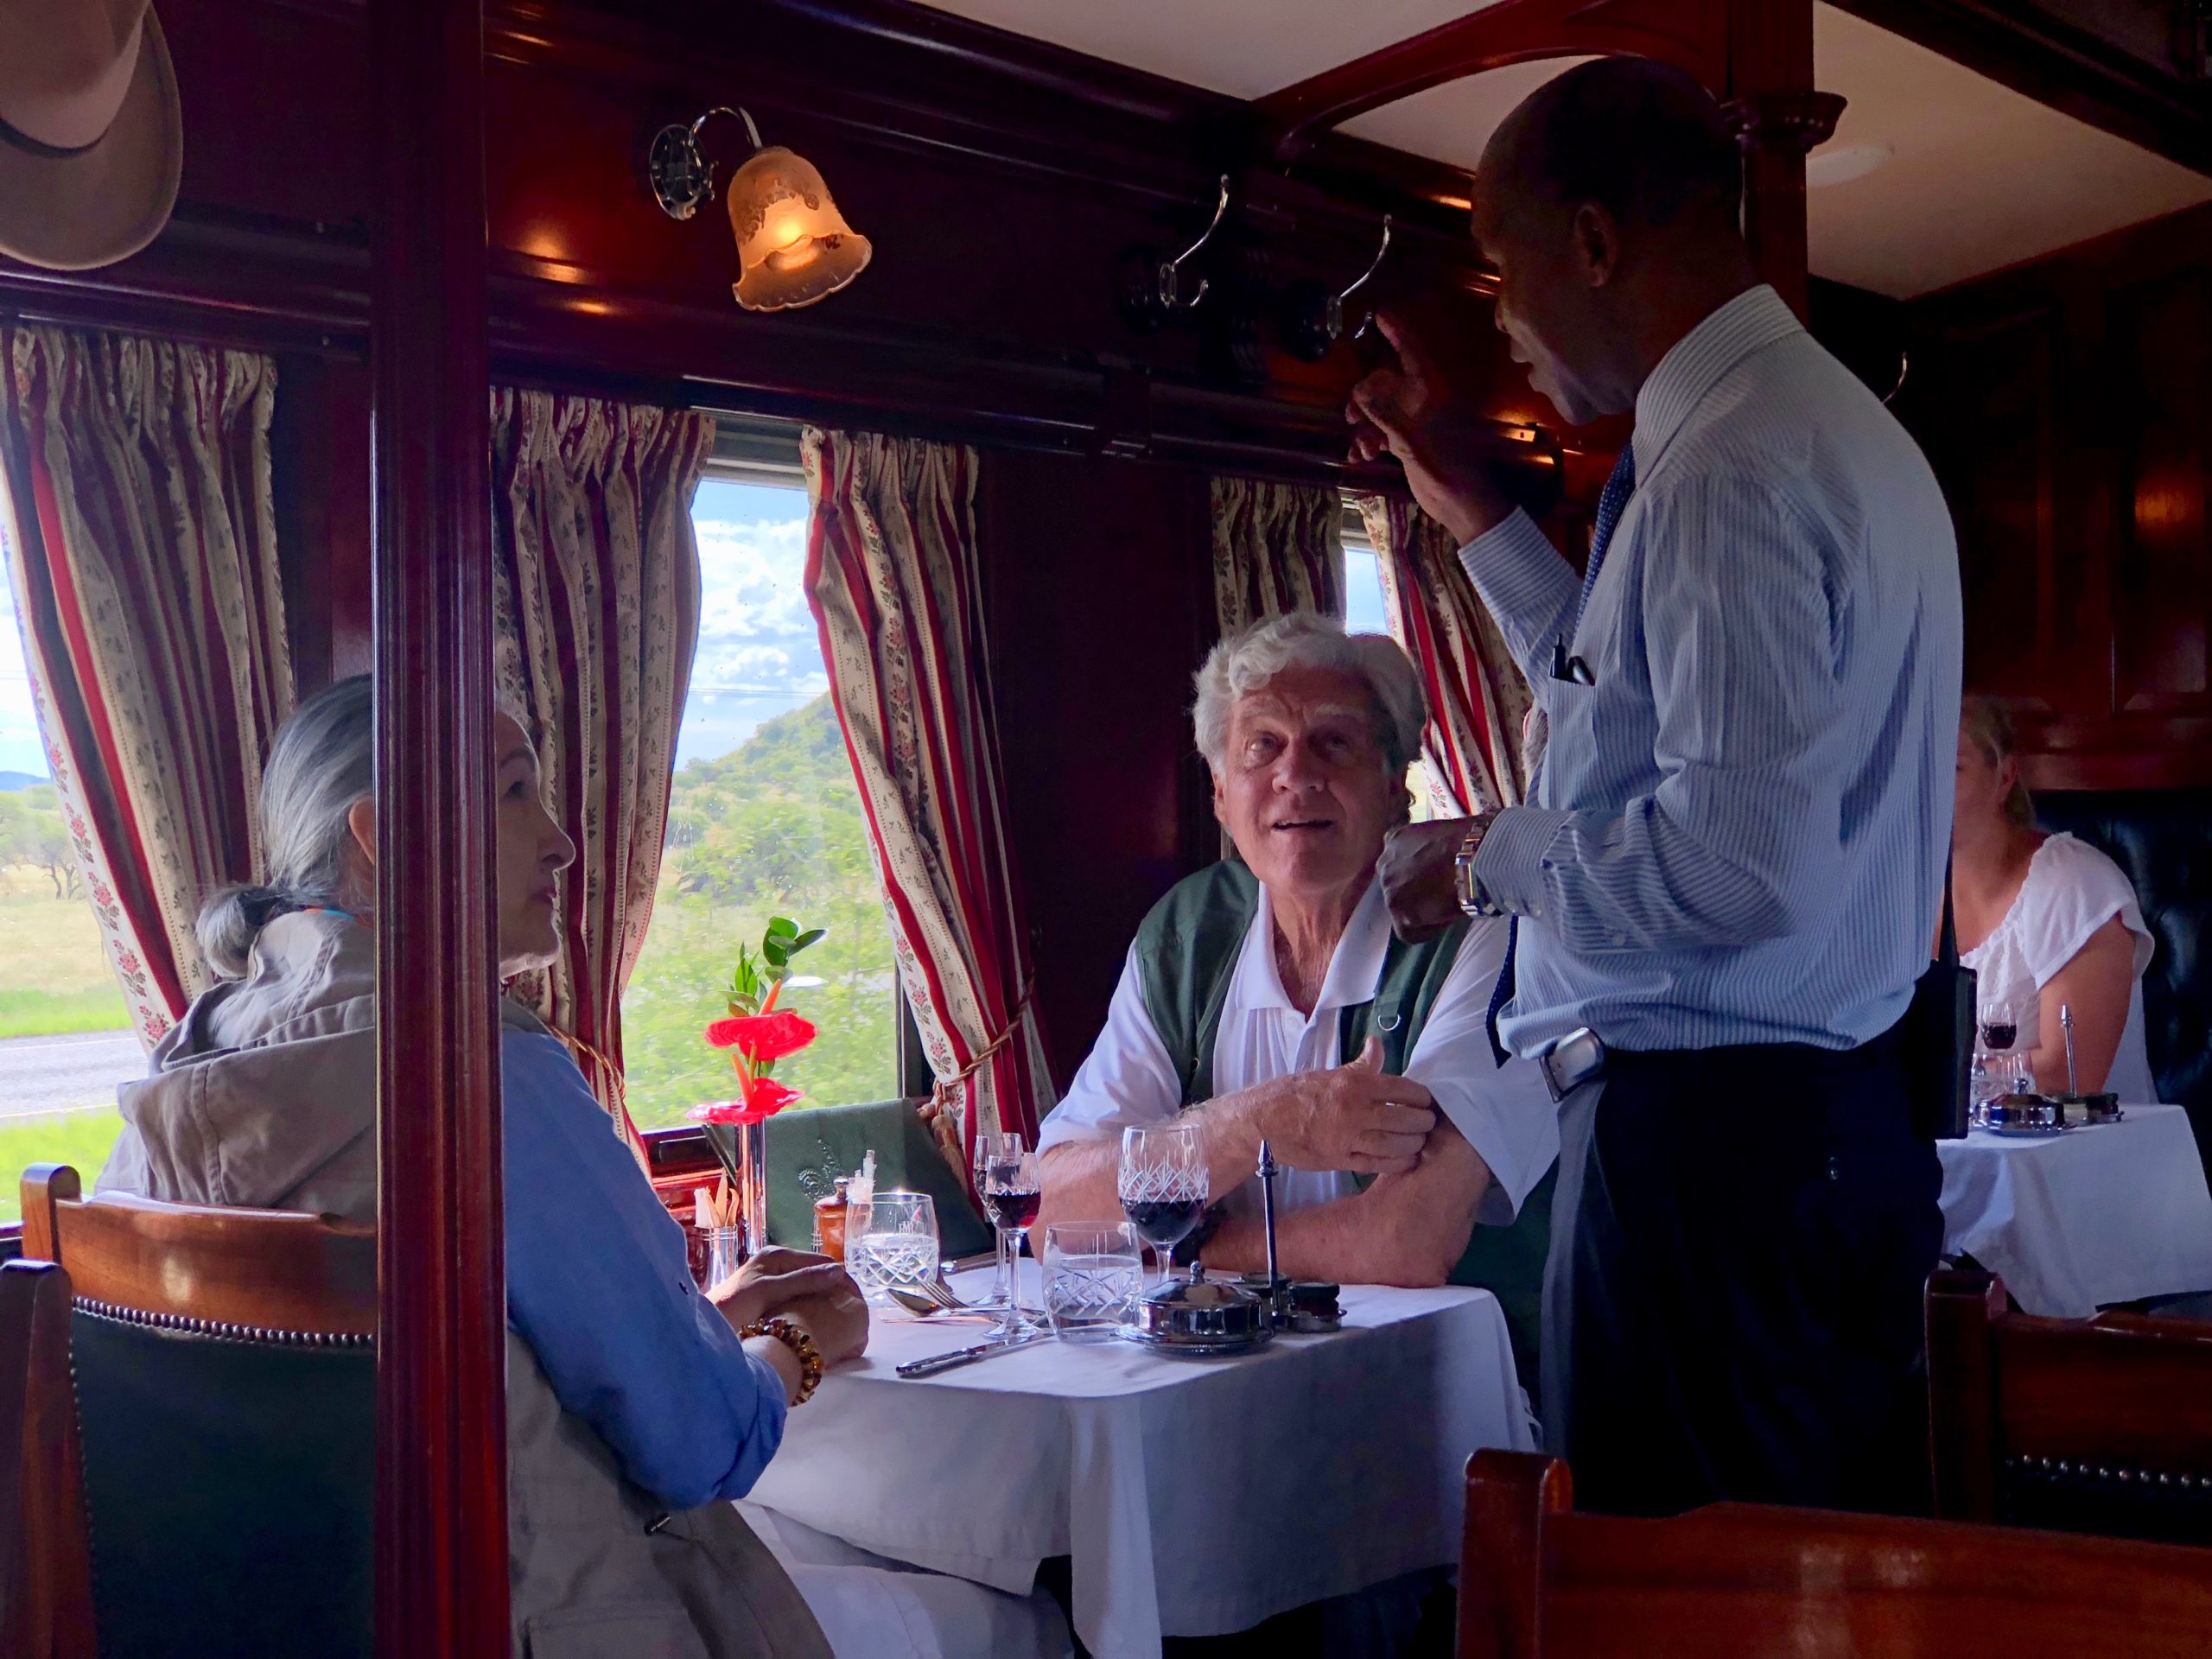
(91, 141)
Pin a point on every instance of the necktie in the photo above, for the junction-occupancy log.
(1620, 484)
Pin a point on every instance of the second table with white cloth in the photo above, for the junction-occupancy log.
(2113, 1212)
(1194, 1497)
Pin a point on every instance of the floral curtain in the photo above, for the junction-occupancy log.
(142, 547)
(596, 601)
(1478, 703)
(891, 572)
(1276, 547)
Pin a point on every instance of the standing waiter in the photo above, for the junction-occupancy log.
(1724, 889)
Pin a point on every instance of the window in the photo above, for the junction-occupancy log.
(1364, 613)
(65, 1036)
(764, 820)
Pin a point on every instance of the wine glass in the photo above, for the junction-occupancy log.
(986, 1146)
(1163, 1184)
(1012, 1191)
(2000, 1066)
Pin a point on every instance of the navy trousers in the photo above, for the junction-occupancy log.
(1741, 1241)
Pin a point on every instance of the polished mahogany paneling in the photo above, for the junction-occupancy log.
(2161, 334)
(319, 455)
(2063, 403)
(1101, 605)
(442, 1526)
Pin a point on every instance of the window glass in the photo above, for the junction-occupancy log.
(65, 1036)
(1364, 613)
(764, 820)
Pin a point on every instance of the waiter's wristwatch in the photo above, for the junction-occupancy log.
(1474, 898)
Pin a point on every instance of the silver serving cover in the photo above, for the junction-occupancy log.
(1202, 1312)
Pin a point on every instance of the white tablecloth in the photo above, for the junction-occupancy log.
(1194, 1497)
(2078, 1221)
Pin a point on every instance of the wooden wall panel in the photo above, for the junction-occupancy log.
(2161, 342)
(2067, 406)
(1100, 609)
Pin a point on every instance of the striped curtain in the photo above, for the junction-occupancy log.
(892, 573)
(595, 595)
(1475, 744)
(1277, 548)
(142, 547)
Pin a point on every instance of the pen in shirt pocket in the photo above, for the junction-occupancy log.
(1573, 669)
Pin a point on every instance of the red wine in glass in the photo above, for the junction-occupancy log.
(1999, 1036)
(1013, 1208)
(1163, 1223)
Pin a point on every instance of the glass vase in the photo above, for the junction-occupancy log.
(752, 1183)
(726, 1253)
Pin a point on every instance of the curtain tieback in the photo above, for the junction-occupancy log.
(941, 1094)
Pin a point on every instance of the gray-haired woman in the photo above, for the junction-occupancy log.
(1267, 995)
(636, 1405)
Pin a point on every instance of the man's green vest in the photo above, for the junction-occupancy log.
(1185, 956)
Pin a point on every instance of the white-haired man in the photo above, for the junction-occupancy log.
(1266, 996)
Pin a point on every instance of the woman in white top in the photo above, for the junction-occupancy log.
(2046, 921)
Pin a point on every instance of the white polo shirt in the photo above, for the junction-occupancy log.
(1506, 1114)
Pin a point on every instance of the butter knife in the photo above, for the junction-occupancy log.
(937, 1362)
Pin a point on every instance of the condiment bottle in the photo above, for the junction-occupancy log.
(829, 1219)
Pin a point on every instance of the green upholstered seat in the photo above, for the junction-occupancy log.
(229, 1477)
(810, 1147)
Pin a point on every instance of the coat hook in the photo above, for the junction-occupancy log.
(1171, 271)
(1336, 323)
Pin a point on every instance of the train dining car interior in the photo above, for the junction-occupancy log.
(944, 827)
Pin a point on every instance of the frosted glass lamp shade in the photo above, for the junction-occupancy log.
(793, 246)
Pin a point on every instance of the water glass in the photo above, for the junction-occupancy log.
(890, 1240)
(1093, 1273)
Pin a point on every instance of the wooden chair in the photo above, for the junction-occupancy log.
(2101, 1425)
(225, 1367)
(1747, 1581)
(46, 1594)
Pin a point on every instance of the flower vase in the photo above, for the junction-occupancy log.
(752, 1183)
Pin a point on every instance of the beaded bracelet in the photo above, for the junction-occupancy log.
(809, 1357)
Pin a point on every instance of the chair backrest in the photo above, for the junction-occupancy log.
(2101, 1425)
(46, 1592)
(809, 1149)
(225, 1364)
(1747, 1581)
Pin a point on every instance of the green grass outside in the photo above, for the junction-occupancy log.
(54, 977)
(58, 1013)
(81, 1139)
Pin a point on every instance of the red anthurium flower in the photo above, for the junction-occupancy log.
(718, 1111)
(763, 1037)
(765, 1097)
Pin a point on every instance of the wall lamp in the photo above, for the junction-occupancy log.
(793, 246)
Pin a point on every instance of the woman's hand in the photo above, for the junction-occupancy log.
(771, 1279)
(836, 1318)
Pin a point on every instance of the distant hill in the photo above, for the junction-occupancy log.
(13, 781)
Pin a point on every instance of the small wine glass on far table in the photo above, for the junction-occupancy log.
(1002, 1291)
(1011, 1189)
(1163, 1184)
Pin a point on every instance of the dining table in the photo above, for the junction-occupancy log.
(2098, 1215)
(1191, 1496)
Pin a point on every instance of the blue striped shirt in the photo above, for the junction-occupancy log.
(1738, 829)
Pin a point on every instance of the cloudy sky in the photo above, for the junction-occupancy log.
(759, 654)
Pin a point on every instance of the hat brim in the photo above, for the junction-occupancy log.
(103, 203)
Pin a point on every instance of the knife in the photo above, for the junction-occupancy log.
(937, 1362)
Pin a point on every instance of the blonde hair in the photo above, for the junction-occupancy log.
(1987, 724)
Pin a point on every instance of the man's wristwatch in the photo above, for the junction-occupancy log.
(1473, 897)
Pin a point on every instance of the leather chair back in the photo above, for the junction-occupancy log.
(226, 1404)
(2101, 1425)
(2158, 836)
(46, 1592)
(1750, 1582)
